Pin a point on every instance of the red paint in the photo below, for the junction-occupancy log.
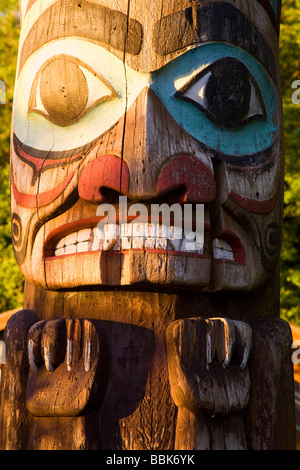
(190, 172)
(180, 254)
(32, 201)
(45, 164)
(253, 205)
(107, 171)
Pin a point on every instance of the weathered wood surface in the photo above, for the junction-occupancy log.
(173, 102)
(296, 341)
(14, 416)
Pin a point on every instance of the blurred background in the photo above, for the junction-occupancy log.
(11, 280)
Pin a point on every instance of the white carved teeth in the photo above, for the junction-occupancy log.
(98, 236)
(111, 236)
(222, 250)
(139, 236)
(128, 236)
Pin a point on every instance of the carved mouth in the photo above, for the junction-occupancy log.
(127, 236)
(88, 236)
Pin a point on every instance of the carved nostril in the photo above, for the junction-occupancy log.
(186, 172)
(173, 195)
(109, 195)
(106, 176)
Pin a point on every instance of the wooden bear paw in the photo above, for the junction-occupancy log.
(207, 361)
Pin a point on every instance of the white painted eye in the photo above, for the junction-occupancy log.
(196, 91)
(226, 92)
(65, 90)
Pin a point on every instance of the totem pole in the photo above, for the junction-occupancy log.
(136, 334)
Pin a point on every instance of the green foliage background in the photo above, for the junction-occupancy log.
(290, 71)
(11, 280)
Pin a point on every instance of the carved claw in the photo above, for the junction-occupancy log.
(87, 351)
(69, 354)
(73, 342)
(31, 358)
(91, 342)
(221, 340)
(229, 341)
(34, 345)
(244, 332)
(56, 341)
(65, 355)
(52, 340)
(207, 359)
(47, 359)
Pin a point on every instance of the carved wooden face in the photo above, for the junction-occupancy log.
(164, 102)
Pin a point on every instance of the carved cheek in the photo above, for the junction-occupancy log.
(34, 188)
(257, 188)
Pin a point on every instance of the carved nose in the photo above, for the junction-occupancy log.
(147, 142)
(162, 157)
(189, 177)
(104, 178)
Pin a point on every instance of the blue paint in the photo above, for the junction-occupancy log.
(274, 4)
(250, 138)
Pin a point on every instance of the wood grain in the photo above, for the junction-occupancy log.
(147, 348)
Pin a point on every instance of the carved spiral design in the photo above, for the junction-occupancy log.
(272, 238)
(16, 228)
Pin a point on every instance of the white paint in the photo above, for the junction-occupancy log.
(60, 251)
(209, 356)
(31, 358)
(195, 92)
(87, 363)
(97, 89)
(130, 236)
(161, 244)
(2, 352)
(33, 14)
(137, 243)
(69, 354)
(70, 239)
(255, 107)
(47, 359)
(183, 81)
(222, 250)
(82, 247)
(70, 249)
(126, 243)
(111, 233)
(35, 130)
(84, 235)
(150, 243)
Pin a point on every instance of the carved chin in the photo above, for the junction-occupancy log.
(145, 268)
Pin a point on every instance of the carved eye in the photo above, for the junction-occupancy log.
(226, 92)
(65, 90)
